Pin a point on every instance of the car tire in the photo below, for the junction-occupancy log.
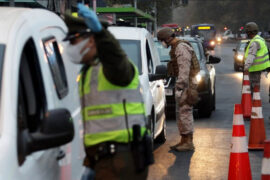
(163, 135)
(236, 68)
(205, 110)
(214, 98)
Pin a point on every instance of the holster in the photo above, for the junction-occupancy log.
(141, 149)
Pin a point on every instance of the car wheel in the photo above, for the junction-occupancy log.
(236, 68)
(162, 137)
(214, 98)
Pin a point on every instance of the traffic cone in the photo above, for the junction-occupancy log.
(266, 161)
(239, 167)
(257, 130)
(246, 100)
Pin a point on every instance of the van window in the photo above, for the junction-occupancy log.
(57, 66)
(150, 65)
(133, 50)
(2, 53)
(32, 103)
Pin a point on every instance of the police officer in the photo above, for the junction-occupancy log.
(256, 55)
(184, 69)
(111, 102)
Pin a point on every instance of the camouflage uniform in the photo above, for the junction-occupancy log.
(184, 116)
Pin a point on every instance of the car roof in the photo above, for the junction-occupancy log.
(128, 33)
(12, 19)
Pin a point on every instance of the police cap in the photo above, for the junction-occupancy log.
(251, 27)
(76, 26)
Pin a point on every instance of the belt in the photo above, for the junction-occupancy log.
(106, 149)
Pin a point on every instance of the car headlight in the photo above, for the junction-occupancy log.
(212, 43)
(200, 75)
(240, 57)
(219, 39)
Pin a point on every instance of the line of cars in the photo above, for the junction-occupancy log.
(40, 141)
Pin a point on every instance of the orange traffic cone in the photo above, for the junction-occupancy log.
(256, 131)
(266, 161)
(246, 100)
(239, 167)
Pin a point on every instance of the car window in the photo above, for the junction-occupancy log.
(32, 103)
(57, 66)
(150, 65)
(242, 46)
(133, 50)
(164, 53)
(196, 48)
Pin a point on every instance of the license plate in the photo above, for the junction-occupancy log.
(168, 92)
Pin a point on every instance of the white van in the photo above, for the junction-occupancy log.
(39, 99)
(139, 46)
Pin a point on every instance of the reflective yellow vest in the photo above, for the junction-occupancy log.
(103, 109)
(261, 62)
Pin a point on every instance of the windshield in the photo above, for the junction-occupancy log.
(164, 53)
(242, 46)
(207, 34)
(133, 50)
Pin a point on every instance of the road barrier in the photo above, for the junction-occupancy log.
(246, 100)
(257, 130)
(239, 167)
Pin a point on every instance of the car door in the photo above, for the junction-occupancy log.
(65, 91)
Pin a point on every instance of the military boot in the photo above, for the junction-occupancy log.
(187, 145)
(183, 140)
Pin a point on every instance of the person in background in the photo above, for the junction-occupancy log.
(184, 66)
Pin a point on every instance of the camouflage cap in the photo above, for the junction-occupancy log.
(251, 27)
(165, 33)
(76, 26)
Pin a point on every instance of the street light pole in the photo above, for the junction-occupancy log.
(135, 19)
(95, 5)
(11, 3)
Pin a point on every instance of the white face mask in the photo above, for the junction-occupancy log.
(74, 51)
(164, 44)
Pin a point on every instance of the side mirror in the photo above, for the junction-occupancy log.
(161, 73)
(57, 129)
(234, 49)
(213, 60)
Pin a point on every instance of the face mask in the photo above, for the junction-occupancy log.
(74, 51)
(164, 44)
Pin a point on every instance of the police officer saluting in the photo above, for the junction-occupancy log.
(256, 55)
(111, 102)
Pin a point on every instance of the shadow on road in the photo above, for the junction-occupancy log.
(180, 168)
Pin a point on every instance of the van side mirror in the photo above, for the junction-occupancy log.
(234, 49)
(213, 60)
(57, 129)
(161, 73)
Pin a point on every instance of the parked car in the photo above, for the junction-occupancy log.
(139, 46)
(37, 118)
(206, 78)
(239, 53)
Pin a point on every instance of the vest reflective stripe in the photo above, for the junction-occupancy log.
(103, 109)
(261, 62)
(120, 136)
(119, 124)
(111, 111)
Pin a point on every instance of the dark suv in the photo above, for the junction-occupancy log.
(206, 78)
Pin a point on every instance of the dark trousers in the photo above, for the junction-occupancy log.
(119, 166)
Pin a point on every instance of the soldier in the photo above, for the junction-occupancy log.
(184, 66)
(111, 102)
(256, 55)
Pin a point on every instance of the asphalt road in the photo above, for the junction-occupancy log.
(212, 136)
